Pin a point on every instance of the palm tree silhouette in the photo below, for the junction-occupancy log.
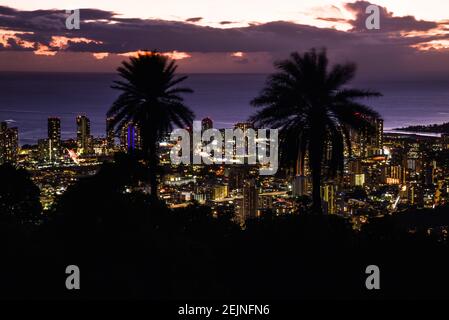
(150, 99)
(315, 113)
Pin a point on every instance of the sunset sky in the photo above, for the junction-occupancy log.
(227, 36)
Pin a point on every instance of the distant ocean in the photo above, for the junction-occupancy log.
(28, 99)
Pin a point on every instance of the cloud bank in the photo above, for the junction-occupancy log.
(404, 46)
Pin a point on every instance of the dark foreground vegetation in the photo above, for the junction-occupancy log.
(128, 246)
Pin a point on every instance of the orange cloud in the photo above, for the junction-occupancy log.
(432, 45)
(100, 55)
(43, 50)
(62, 42)
(237, 54)
(175, 55)
(7, 35)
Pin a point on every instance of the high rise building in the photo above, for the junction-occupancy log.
(3, 128)
(248, 209)
(219, 191)
(367, 144)
(83, 137)
(110, 134)
(206, 124)
(373, 142)
(9, 144)
(130, 137)
(393, 175)
(379, 143)
(42, 150)
(328, 194)
(54, 139)
(236, 176)
(244, 126)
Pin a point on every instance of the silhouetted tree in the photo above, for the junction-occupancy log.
(19, 196)
(314, 111)
(104, 201)
(151, 99)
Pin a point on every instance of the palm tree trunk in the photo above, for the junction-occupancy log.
(316, 160)
(150, 143)
(316, 190)
(153, 164)
(300, 165)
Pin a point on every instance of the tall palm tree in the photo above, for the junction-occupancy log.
(151, 99)
(315, 112)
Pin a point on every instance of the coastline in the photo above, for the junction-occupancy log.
(413, 133)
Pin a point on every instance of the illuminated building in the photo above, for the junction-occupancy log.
(265, 202)
(415, 195)
(206, 124)
(379, 136)
(83, 137)
(54, 139)
(356, 174)
(366, 144)
(358, 180)
(219, 192)
(244, 126)
(9, 144)
(130, 138)
(328, 195)
(445, 141)
(98, 146)
(248, 208)
(394, 175)
(429, 173)
(439, 193)
(372, 143)
(42, 150)
(110, 134)
(236, 176)
(3, 128)
(202, 194)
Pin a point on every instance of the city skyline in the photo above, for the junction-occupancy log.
(374, 149)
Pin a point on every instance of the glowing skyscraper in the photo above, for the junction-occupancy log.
(130, 137)
(54, 139)
(9, 144)
(84, 139)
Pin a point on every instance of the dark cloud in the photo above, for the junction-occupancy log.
(196, 19)
(386, 51)
(113, 34)
(97, 14)
(333, 19)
